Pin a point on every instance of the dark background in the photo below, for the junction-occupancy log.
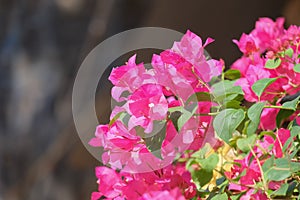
(42, 44)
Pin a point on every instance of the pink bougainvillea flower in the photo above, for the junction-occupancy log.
(204, 108)
(135, 188)
(146, 104)
(287, 69)
(149, 101)
(126, 74)
(251, 173)
(265, 36)
(269, 40)
(246, 44)
(118, 143)
(119, 136)
(242, 64)
(100, 134)
(292, 33)
(108, 181)
(256, 72)
(252, 194)
(182, 65)
(174, 81)
(96, 195)
(173, 102)
(281, 137)
(129, 77)
(298, 120)
(115, 136)
(171, 177)
(268, 118)
(267, 32)
(127, 151)
(275, 185)
(191, 49)
(171, 182)
(253, 74)
(163, 195)
(179, 69)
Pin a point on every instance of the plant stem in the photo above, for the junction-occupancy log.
(207, 114)
(280, 107)
(265, 185)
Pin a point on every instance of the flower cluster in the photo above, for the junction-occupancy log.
(141, 134)
(270, 52)
(249, 170)
(186, 129)
(172, 182)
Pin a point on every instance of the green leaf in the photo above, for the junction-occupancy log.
(226, 90)
(287, 143)
(283, 169)
(293, 153)
(244, 144)
(201, 152)
(117, 116)
(278, 174)
(289, 52)
(292, 104)
(297, 68)
(268, 164)
(220, 197)
(226, 122)
(220, 181)
(295, 123)
(187, 113)
(273, 63)
(207, 164)
(154, 143)
(203, 96)
(174, 116)
(232, 74)
(295, 131)
(189, 164)
(270, 133)
(224, 100)
(295, 166)
(125, 117)
(174, 109)
(232, 104)
(281, 191)
(283, 114)
(282, 163)
(199, 96)
(259, 86)
(180, 115)
(254, 114)
(291, 188)
(210, 162)
(201, 177)
(236, 197)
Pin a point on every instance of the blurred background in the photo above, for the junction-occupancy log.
(42, 44)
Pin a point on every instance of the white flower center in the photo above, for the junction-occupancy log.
(151, 105)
